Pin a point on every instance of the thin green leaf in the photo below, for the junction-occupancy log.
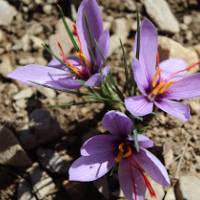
(138, 36)
(71, 104)
(100, 52)
(45, 46)
(92, 47)
(127, 71)
(116, 88)
(71, 36)
(135, 136)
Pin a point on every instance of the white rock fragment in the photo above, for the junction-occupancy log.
(23, 94)
(11, 153)
(176, 50)
(190, 187)
(160, 12)
(41, 182)
(121, 28)
(5, 65)
(47, 92)
(62, 37)
(7, 13)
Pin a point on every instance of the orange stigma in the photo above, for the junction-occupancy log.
(80, 54)
(69, 64)
(146, 180)
(124, 152)
(156, 77)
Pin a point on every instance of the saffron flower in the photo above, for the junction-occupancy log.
(160, 83)
(86, 67)
(101, 153)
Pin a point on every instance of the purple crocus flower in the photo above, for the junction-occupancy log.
(160, 83)
(86, 67)
(101, 153)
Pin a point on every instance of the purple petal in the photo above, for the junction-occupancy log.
(117, 123)
(98, 144)
(171, 66)
(41, 75)
(96, 79)
(104, 46)
(185, 88)
(138, 105)
(145, 142)
(148, 47)
(175, 109)
(131, 182)
(56, 64)
(90, 168)
(153, 167)
(140, 76)
(91, 10)
(70, 83)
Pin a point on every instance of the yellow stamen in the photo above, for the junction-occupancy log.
(83, 57)
(123, 153)
(119, 157)
(69, 64)
(156, 77)
(162, 90)
(121, 147)
(158, 88)
(128, 153)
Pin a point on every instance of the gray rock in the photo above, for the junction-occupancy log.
(47, 9)
(24, 191)
(27, 139)
(42, 184)
(7, 13)
(62, 37)
(37, 42)
(130, 5)
(21, 103)
(52, 161)
(160, 12)
(176, 50)
(187, 19)
(114, 44)
(26, 42)
(23, 94)
(121, 28)
(11, 153)
(190, 187)
(47, 92)
(5, 65)
(2, 36)
(45, 128)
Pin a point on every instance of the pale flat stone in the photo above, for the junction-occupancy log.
(176, 50)
(62, 37)
(23, 94)
(160, 12)
(190, 187)
(11, 153)
(7, 13)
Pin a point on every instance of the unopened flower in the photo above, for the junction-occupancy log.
(160, 83)
(101, 153)
(85, 67)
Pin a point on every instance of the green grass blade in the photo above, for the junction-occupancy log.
(138, 37)
(71, 36)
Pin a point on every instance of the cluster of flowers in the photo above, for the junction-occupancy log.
(159, 83)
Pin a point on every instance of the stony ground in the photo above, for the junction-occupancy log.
(39, 141)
